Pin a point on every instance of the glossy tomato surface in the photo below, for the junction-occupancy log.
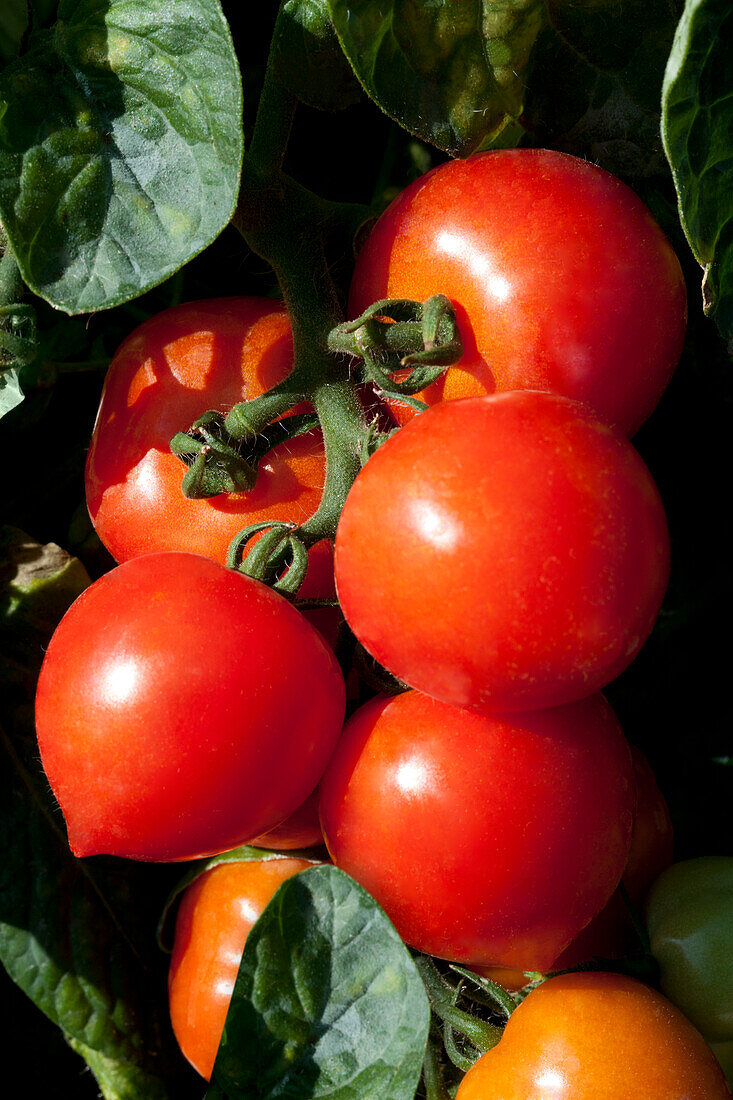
(596, 1036)
(214, 919)
(167, 373)
(183, 708)
(487, 839)
(520, 555)
(560, 277)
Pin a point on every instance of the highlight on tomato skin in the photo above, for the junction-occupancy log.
(597, 314)
(196, 356)
(520, 558)
(183, 708)
(214, 918)
(487, 839)
(596, 1036)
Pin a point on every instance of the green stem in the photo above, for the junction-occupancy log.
(484, 1036)
(432, 1077)
(275, 114)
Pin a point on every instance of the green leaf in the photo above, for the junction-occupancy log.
(131, 167)
(10, 392)
(309, 58)
(594, 82)
(452, 73)
(13, 21)
(73, 934)
(697, 129)
(119, 1080)
(328, 1002)
(61, 937)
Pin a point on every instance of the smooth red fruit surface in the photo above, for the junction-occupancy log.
(214, 919)
(167, 373)
(596, 1036)
(487, 839)
(183, 708)
(611, 934)
(520, 557)
(560, 277)
(301, 830)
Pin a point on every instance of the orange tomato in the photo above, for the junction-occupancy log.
(596, 1036)
(214, 919)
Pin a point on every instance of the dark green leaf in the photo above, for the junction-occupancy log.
(328, 1002)
(13, 21)
(697, 128)
(69, 931)
(310, 60)
(452, 73)
(120, 146)
(594, 82)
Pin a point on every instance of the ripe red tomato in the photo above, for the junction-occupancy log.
(301, 830)
(183, 708)
(214, 919)
(611, 934)
(560, 277)
(520, 557)
(175, 366)
(486, 839)
(596, 1036)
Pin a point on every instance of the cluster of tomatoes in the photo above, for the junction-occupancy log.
(505, 556)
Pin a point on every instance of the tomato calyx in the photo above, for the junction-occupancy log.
(220, 462)
(279, 557)
(395, 334)
(463, 1030)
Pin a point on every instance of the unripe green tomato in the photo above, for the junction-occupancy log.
(689, 914)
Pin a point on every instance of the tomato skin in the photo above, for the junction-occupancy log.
(560, 277)
(213, 921)
(596, 1036)
(488, 840)
(175, 366)
(301, 830)
(183, 708)
(521, 554)
(689, 915)
(611, 934)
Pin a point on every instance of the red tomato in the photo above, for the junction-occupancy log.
(183, 708)
(596, 1036)
(611, 934)
(520, 557)
(301, 830)
(194, 357)
(214, 919)
(487, 839)
(560, 277)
